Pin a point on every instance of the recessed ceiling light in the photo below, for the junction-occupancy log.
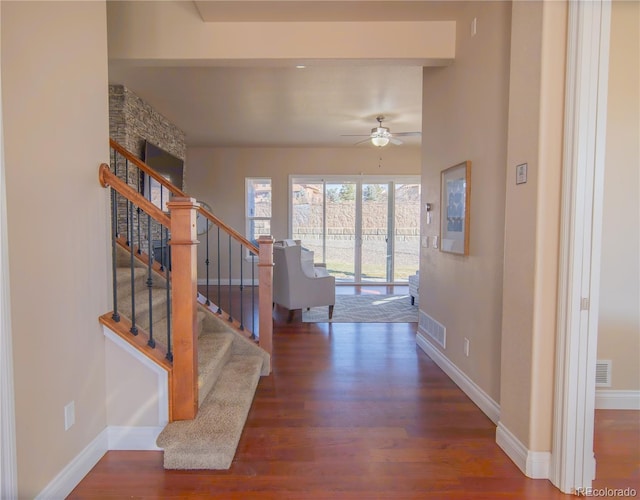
(300, 66)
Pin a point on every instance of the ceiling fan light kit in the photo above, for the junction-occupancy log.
(380, 141)
(381, 136)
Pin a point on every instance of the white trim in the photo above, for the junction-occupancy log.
(77, 469)
(617, 400)
(534, 464)
(8, 460)
(573, 466)
(481, 399)
(161, 373)
(133, 438)
(111, 438)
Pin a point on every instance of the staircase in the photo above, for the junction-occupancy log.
(229, 368)
(212, 362)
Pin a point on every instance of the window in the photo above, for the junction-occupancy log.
(258, 209)
(366, 229)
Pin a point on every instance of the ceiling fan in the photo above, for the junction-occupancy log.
(381, 136)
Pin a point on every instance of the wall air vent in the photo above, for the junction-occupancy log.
(603, 373)
(433, 329)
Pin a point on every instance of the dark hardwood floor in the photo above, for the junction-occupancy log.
(357, 411)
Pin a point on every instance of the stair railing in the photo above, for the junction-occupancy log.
(180, 282)
(166, 243)
(227, 255)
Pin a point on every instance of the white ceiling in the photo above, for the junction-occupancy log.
(279, 106)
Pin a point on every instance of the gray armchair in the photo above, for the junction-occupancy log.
(297, 282)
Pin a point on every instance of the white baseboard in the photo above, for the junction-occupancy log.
(133, 438)
(481, 399)
(72, 474)
(617, 400)
(534, 464)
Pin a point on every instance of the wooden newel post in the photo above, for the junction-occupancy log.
(184, 255)
(265, 295)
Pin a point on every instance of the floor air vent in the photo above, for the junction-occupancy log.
(603, 373)
(434, 329)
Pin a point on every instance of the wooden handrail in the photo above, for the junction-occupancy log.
(147, 169)
(109, 179)
(179, 193)
(232, 232)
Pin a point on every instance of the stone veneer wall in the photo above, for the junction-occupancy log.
(132, 121)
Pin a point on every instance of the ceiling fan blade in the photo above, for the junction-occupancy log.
(395, 141)
(355, 135)
(368, 139)
(407, 134)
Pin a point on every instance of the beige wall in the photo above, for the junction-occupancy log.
(465, 118)
(619, 316)
(178, 32)
(217, 176)
(54, 91)
(536, 116)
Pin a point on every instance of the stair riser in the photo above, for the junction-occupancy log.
(159, 307)
(205, 384)
(123, 280)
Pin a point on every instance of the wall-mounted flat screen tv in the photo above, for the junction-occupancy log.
(168, 166)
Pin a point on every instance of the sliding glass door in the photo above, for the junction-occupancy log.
(376, 245)
(365, 228)
(340, 230)
(406, 241)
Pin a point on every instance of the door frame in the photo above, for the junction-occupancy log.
(8, 455)
(572, 458)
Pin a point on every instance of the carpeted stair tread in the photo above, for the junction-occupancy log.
(214, 351)
(158, 300)
(210, 441)
(123, 279)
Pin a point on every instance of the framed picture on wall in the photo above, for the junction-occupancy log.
(455, 191)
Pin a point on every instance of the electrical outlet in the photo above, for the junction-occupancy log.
(69, 415)
(466, 347)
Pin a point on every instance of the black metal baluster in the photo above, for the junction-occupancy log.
(134, 328)
(167, 276)
(206, 261)
(114, 232)
(163, 249)
(241, 290)
(219, 311)
(230, 316)
(253, 297)
(162, 244)
(152, 342)
(129, 219)
(139, 211)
